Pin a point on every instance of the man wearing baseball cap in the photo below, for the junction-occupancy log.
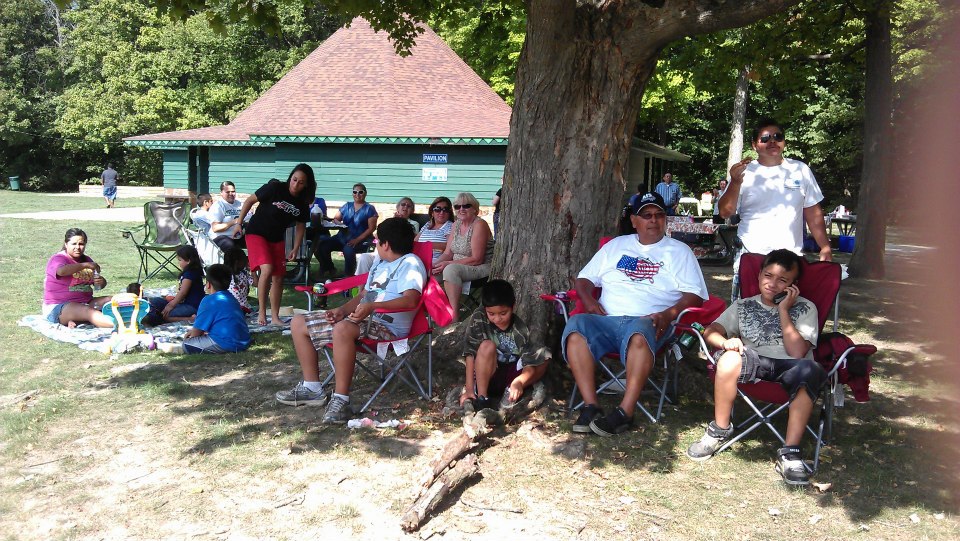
(647, 279)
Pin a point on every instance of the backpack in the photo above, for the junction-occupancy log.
(831, 345)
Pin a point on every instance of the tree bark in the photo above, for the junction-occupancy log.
(739, 119)
(867, 260)
(427, 502)
(579, 86)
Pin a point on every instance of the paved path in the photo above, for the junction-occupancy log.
(124, 214)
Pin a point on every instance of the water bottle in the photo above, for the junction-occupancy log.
(96, 278)
(688, 337)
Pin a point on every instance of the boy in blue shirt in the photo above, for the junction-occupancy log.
(220, 326)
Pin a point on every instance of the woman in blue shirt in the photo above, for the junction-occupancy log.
(360, 218)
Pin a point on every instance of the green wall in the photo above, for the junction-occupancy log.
(247, 167)
(388, 171)
(175, 169)
(394, 171)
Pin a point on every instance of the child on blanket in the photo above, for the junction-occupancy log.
(220, 326)
(184, 304)
(499, 355)
(236, 261)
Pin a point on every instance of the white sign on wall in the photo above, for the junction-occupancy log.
(434, 174)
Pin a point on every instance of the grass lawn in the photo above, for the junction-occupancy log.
(149, 446)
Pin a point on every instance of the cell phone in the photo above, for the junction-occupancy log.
(778, 298)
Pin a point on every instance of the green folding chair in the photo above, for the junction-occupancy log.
(158, 238)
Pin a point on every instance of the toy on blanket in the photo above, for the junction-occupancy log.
(128, 311)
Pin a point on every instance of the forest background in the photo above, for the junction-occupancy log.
(75, 80)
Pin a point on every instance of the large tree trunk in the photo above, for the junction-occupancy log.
(867, 260)
(579, 84)
(739, 119)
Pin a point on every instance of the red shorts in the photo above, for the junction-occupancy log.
(262, 252)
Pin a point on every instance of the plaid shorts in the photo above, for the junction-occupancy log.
(321, 331)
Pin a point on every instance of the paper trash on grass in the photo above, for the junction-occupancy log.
(367, 422)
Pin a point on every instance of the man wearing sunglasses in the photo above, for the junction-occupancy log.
(647, 279)
(775, 196)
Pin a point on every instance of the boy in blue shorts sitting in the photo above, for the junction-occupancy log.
(220, 326)
(771, 338)
(499, 355)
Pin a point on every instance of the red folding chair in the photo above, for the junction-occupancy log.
(433, 311)
(670, 354)
(820, 284)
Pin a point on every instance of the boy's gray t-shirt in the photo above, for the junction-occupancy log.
(758, 325)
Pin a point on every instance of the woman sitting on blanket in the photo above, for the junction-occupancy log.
(68, 288)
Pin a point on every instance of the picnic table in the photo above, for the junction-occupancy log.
(847, 225)
(713, 244)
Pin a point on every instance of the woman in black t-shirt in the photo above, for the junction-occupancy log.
(281, 204)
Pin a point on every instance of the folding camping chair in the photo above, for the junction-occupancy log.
(670, 354)
(432, 312)
(159, 236)
(301, 263)
(820, 284)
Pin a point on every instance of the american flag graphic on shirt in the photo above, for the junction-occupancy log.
(638, 269)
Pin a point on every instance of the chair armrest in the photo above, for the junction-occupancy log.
(129, 231)
(339, 286)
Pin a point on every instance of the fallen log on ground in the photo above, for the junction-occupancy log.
(448, 482)
(445, 473)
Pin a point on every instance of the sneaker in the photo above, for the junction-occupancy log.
(338, 412)
(614, 423)
(588, 413)
(791, 467)
(481, 403)
(712, 439)
(301, 396)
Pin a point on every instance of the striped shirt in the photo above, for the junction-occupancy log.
(669, 192)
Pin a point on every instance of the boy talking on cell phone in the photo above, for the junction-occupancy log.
(760, 339)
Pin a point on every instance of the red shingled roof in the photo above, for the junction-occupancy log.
(355, 85)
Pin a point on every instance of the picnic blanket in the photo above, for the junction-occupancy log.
(92, 338)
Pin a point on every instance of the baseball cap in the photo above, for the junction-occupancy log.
(649, 198)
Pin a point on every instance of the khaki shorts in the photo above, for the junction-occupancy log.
(321, 331)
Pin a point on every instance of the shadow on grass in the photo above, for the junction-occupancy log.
(235, 393)
(894, 452)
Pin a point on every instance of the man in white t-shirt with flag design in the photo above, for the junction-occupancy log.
(647, 278)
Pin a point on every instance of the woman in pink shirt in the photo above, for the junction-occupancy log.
(68, 288)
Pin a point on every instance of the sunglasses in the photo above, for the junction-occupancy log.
(778, 137)
(358, 192)
(405, 205)
(652, 215)
(441, 209)
(463, 206)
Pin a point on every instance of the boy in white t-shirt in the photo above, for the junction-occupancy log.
(758, 339)
(394, 283)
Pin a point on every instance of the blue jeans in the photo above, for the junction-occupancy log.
(157, 304)
(326, 245)
(612, 334)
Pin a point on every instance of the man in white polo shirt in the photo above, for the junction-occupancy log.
(774, 196)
